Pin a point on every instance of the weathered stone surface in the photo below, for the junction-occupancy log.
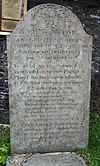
(16, 160)
(57, 159)
(49, 57)
(49, 159)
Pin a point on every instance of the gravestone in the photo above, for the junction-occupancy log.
(49, 60)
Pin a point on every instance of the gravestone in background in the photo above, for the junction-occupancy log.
(49, 58)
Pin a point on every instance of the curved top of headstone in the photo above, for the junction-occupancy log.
(49, 61)
(49, 17)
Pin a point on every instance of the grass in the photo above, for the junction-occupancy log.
(4, 144)
(91, 155)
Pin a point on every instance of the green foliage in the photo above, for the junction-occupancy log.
(92, 154)
(4, 144)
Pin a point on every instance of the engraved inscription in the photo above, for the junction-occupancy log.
(49, 68)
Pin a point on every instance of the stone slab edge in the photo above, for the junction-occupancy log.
(19, 160)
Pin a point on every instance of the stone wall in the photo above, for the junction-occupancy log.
(4, 104)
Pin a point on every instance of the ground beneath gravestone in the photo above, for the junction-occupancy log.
(49, 159)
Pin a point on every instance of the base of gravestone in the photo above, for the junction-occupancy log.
(48, 159)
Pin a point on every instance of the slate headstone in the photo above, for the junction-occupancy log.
(49, 59)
